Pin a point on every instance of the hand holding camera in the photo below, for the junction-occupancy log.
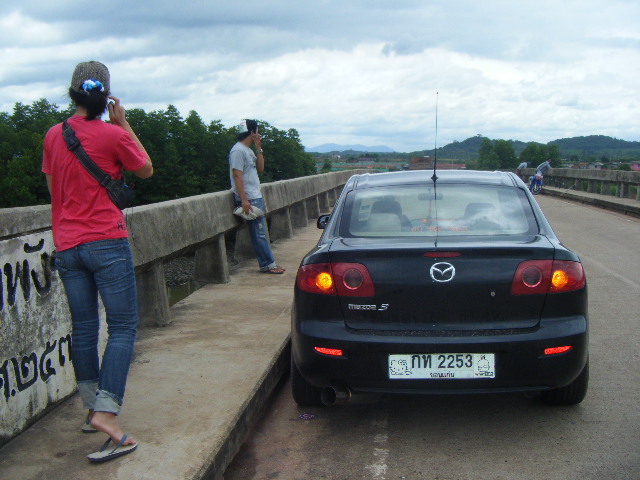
(117, 113)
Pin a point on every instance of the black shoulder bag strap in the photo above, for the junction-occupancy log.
(119, 192)
(73, 144)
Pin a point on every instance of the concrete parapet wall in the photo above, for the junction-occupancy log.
(618, 183)
(35, 327)
(18, 221)
(165, 229)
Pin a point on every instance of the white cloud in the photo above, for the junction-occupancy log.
(347, 72)
(17, 29)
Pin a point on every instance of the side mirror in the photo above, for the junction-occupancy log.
(322, 222)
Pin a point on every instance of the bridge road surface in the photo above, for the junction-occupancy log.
(487, 436)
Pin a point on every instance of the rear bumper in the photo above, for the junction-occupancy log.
(520, 363)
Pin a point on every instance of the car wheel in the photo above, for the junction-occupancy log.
(571, 394)
(303, 392)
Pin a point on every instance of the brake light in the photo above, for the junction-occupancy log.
(442, 254)
(343, 279)
(334, 352)
(547, 276)
(557, 350)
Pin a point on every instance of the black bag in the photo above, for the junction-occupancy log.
(119, 192)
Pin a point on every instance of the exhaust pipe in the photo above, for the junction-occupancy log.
(336, 395)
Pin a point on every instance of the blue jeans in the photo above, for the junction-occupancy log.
(258, 233)
(104, 267)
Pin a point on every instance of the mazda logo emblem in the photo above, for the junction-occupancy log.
(442, 272)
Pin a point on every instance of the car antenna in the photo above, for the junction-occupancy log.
(435, 177)
(435, 146)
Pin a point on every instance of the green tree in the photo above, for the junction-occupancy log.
(164, 135)
(284, 154)
(506, 154)
(488, 158)
(553, 153)
(21, 146)
(326, 166)
(189, 157)
(535, 153)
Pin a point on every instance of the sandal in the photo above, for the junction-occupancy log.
(107, 453)
(277, 270)
(87, 427)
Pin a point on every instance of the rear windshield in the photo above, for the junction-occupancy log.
(449, 210)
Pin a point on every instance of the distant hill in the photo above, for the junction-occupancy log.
(598, 145)
(595, 146)
(335, 148)
(587, 148)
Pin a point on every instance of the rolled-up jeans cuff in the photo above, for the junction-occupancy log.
(106, 402)
(87, 391)
(269, 267)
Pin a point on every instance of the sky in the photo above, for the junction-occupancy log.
(407, 74)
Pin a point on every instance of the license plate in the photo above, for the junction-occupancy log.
(434, 366)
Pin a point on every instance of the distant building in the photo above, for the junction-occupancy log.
(588, 166)
(426, 163)
(421, 163)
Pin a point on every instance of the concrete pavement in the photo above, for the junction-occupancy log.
(194, 388)
(628, 206)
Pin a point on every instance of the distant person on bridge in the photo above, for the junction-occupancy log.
(521, 167)
(92, 250)
(544, 167)
(244, 166)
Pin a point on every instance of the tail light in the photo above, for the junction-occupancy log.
(547, 276)
(316, 278)
(557, 350)
(334, 352)
(343, 279)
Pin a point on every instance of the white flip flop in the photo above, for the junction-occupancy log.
(105, 453)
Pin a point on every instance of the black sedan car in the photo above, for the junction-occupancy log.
(438, 282)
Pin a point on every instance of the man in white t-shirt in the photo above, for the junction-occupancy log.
(244, 166)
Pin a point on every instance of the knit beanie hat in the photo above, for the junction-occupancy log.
(90, 76)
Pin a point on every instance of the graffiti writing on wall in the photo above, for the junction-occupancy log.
(23, 276)
(29, 368)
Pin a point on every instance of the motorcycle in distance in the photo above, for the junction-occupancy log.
(536, 183)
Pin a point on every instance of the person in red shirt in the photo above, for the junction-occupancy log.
(92, 250)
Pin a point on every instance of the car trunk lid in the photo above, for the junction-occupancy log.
(454, 286)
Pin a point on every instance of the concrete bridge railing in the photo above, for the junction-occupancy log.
(35, 326)
(618, 183)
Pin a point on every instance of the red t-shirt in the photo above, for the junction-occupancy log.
(81, 210)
